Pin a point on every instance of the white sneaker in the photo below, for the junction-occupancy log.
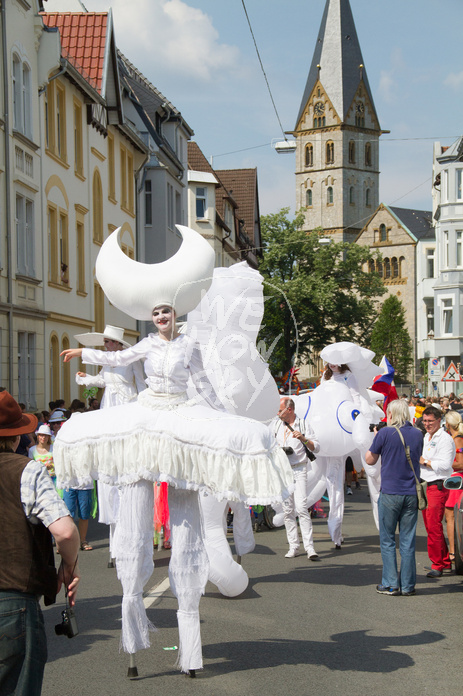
(312, 556)
(292, 553)
(349, 490)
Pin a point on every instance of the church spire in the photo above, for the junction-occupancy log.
(337, 132)
(337, 61)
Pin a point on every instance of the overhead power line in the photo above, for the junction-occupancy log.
(262, 67)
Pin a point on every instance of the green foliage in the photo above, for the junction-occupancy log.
(315, 293)
(390, 337)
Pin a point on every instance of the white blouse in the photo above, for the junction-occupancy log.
(168, 365)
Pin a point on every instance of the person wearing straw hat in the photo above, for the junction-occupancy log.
(121, 385)
(30, 512)
(170, 435)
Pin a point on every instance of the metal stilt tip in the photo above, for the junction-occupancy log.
(111, 564)
(132, 672)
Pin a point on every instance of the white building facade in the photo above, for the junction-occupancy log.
(448, 286)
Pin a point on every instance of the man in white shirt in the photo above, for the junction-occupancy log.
(436, 466)
(294, 435)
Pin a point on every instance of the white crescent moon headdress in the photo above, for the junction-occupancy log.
(137, 288)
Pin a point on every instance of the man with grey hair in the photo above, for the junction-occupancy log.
(398, 503)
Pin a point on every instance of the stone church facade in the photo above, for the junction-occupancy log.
(337, 132)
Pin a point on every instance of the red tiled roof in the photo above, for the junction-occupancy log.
(83, 40)
(196, 159)
(242, 185)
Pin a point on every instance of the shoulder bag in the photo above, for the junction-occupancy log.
(420, 488)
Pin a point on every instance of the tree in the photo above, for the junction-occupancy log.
(315, 293)
(390, 337)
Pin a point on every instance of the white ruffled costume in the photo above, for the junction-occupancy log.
(167, 435)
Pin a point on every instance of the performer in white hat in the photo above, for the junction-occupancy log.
(122, 385)
(192, 443)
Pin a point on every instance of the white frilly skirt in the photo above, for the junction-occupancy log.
(170, 438)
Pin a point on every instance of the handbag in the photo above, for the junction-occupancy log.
(420, 487)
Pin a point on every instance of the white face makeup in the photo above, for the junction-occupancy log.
(333, 368)
(164, 320)
(111, 345)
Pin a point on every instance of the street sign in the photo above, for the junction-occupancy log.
(434, 369)
(451, 374)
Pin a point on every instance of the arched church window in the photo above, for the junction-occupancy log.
(309, 155)
(379, 268)
(368, 154)
(351, 196)
(329, 195)
(329, 152)
(402, 267)
(371, 266)
(387, 268)
(308, 198)
(382, 233)
(395, 267)
(352, 152)
(368, 198)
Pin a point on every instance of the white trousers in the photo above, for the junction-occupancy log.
(133, 550)
(335, 474)
(188, 573)
(296, 506)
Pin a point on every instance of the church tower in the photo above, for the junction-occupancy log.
(337, 132)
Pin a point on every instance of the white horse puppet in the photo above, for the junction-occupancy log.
(342, 427)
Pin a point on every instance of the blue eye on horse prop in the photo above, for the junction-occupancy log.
(345, 416)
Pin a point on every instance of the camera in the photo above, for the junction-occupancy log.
(288, 450)
(68, 625)
(378, 426)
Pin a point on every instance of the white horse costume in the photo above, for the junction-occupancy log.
(170, 435)
(339, 411)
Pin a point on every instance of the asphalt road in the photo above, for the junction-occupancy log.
(300, 628)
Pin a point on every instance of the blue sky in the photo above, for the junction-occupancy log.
(200, 54)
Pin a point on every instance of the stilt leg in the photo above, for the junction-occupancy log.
(133, 549)
(188, 573)
(132, 672)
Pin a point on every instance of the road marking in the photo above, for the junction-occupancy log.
(155, 594)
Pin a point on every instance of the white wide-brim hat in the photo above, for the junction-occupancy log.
(114, 333)
(358, 360)
(44, 429)
(57, 416)
(137, 288)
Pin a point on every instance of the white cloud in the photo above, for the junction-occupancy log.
(388, 83)
(454, 80)
(386, 86)
(168, 35)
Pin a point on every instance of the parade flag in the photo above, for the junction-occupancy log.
(384, 382)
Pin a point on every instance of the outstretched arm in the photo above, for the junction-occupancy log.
(71, 353)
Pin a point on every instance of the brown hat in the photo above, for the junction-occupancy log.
(12, 420)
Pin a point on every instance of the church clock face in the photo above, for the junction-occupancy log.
(319, 108)
(360, 108)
